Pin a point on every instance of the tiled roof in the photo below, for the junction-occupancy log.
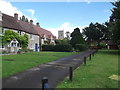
(27, 27)
(43, 32)
(10, 22)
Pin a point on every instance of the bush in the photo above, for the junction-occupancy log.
(4, 52)
(80, 47)
(102, 45)
(58, 48)
(63, 48)
(24, 50)
(48, 47)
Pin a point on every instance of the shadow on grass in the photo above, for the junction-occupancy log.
(110, 52)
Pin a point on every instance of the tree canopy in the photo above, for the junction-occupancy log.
(9, 35)
(95, 33)
(115, 22)
(77, 38)
(23, 18)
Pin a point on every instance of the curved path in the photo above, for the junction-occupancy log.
(56, 71)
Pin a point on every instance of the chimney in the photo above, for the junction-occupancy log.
(0, 16)
(0, 21)
(31, 22)
(16, 16)
(37, 24)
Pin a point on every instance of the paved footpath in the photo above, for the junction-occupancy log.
(56, 71)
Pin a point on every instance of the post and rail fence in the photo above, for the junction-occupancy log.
(45, 85)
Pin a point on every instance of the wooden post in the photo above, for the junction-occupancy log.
(85, 60)
(44, 81)
(93, 54)
(90, 57)
(70, 73)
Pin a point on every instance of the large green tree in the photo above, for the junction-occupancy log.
(77, 38)
(95, 33)
(115, 22)
(9, 35)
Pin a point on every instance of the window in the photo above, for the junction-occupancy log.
(13, 44)
(2, 46)
(1, 33)
(32, 45)
(20, 33)
(19, 45)
(31, 37)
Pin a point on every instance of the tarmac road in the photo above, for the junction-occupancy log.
(55, 71)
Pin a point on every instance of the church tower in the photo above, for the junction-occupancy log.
(61, 34)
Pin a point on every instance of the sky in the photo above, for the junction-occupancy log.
(55, 16)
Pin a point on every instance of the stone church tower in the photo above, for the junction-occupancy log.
(61, 34)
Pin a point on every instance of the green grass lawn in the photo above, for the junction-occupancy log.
(11, 64)
(95, 74)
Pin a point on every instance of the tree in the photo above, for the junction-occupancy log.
(24, 41)
(115, 22)
(20, 18)
(95, 33)
(23, 18)
(63, 41)
(77, 38)
(26, 20)
(68, 35)
(10, 35)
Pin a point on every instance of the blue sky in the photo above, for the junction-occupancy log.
(53, 14)
(56, 16)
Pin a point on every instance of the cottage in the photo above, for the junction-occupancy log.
(37, 35)
(46, 37)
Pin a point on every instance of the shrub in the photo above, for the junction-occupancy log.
(102, 45)
(80, 47)
(48, 47)
(63, 48)
(24, 50)
(4, 52)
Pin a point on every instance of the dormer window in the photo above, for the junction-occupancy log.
(45, 37)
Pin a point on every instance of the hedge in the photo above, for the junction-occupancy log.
(57, 48)
(48, 47)
(63, 48)
(80, 47)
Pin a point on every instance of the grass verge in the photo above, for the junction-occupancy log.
(95, 74)
(11, 64)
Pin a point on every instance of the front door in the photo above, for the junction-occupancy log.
(36, 47)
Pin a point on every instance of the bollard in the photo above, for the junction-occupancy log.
(96, 50)
(90, 57)
(85, 60)
(93, 53)
(45, 83)
(70, 73)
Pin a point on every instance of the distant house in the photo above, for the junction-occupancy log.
(46, 37)
(35, 33)
(111, 45)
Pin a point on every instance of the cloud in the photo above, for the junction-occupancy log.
(7, 8)
(66, 27)
(88, 1)
(31, 11)
(106, 11)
